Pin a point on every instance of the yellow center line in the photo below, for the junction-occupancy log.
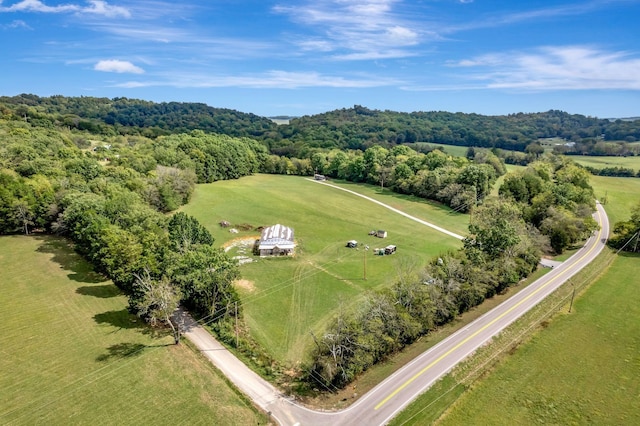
(421, 372)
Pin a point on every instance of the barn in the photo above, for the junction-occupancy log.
(276, 240)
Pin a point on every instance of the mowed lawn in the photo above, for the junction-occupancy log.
(72, 354)
(583, 369)
(286, 299)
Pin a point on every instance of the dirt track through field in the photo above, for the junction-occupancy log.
(408, 216)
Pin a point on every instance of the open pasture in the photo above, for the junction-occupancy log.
(620, 195)
(601, 162)
(72, 354)
(454, 150)
(286, 299)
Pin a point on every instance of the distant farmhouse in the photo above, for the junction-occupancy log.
(276, 240)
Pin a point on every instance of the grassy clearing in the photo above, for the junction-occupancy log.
(510, 168)
(455, 150)
(72, 354)
(428, 210)
(602, 162)
(290, 297)
(620, 194)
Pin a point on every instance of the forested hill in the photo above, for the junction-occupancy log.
(359, 127)
(350, 128)
(134, 116)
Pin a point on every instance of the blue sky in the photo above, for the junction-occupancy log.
(297, 57)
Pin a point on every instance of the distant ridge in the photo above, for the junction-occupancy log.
(624, 119)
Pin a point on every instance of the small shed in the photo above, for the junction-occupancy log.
(352, 243)
(390, 249)
(276, 240)
(381, 234)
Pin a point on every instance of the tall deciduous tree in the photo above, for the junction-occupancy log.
(158, 301)
(185, 231)
(23, 214)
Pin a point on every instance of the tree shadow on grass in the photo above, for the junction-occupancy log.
(628, 254)
(122, 320)
(64, 255)
(122, 350)
(101, 291)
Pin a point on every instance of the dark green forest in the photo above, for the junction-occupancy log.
(348, 128)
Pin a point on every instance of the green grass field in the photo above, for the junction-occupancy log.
(285, 299)
(602, 162)
(72, 354)
(621, 194)
(454, 150)
(579, 369)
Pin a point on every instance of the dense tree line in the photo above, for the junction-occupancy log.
(356, 128)
(359, 128)
(113, 210)
(454, 181)
(545, 207)
(613, 171)
(133, 116)
(598, 147)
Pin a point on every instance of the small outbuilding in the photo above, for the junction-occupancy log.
(381, 234)
(276, 240)
(389, 249)
(352, 244)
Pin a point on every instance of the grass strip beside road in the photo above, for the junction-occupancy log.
(533, 359)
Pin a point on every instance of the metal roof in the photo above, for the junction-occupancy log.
(276, 236)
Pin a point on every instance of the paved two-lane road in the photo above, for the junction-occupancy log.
(383, 402)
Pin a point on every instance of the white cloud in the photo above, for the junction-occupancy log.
(117, 66)
(96, 7)
(355, 29)
(38, 6)
(16, 24)
(269, 80)
(102, 8)
(555, 68)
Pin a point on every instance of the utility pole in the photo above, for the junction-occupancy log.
(236, 303)
(364, 260)
(572, 296)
